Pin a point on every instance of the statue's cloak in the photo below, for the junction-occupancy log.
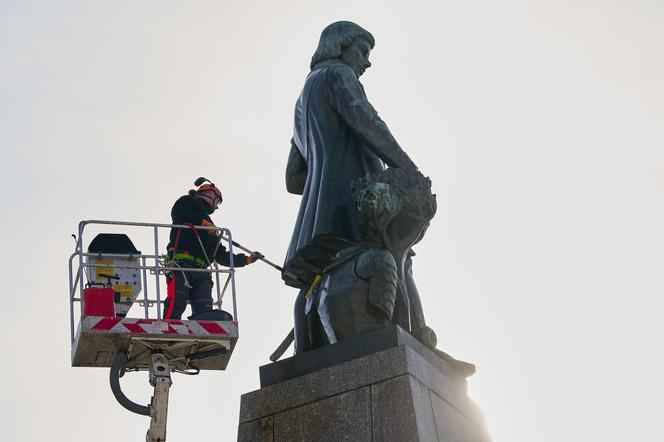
(338, 137)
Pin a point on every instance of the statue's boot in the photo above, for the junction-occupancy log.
(426, 336)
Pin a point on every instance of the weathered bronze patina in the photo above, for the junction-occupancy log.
(365, 286)
(339, 138)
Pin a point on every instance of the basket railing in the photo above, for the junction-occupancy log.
(152, 266)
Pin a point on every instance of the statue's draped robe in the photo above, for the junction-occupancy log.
(338, 137)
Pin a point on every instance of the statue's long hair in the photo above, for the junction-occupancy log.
(336, 37)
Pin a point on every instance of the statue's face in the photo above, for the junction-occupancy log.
(357, 56)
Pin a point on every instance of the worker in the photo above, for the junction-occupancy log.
(191, 248)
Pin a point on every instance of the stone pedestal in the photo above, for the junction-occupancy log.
(381, 386)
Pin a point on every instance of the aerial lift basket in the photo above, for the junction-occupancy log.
(106, 282)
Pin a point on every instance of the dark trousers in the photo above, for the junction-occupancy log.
(199, 295)
(416, 314)
(300, 332)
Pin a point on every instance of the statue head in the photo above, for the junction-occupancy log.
(394, 207)
(346, 41)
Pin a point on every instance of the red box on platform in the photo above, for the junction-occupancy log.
(98, 302)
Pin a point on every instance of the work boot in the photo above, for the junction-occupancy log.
(212, 315)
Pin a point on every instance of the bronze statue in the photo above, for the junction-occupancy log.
(338, 137)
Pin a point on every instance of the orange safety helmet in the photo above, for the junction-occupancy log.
(211, 188)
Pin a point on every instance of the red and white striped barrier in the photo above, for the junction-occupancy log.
(101, 324)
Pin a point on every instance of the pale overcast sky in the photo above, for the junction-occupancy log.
(540, 124)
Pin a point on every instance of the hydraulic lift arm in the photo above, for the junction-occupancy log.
(160, 379)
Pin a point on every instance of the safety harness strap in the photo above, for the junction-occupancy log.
(170, 287)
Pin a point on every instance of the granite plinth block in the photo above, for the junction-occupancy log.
(394, 392)
(352, 348)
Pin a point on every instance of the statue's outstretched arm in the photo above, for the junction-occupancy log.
(347, 97)
(296, 171)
